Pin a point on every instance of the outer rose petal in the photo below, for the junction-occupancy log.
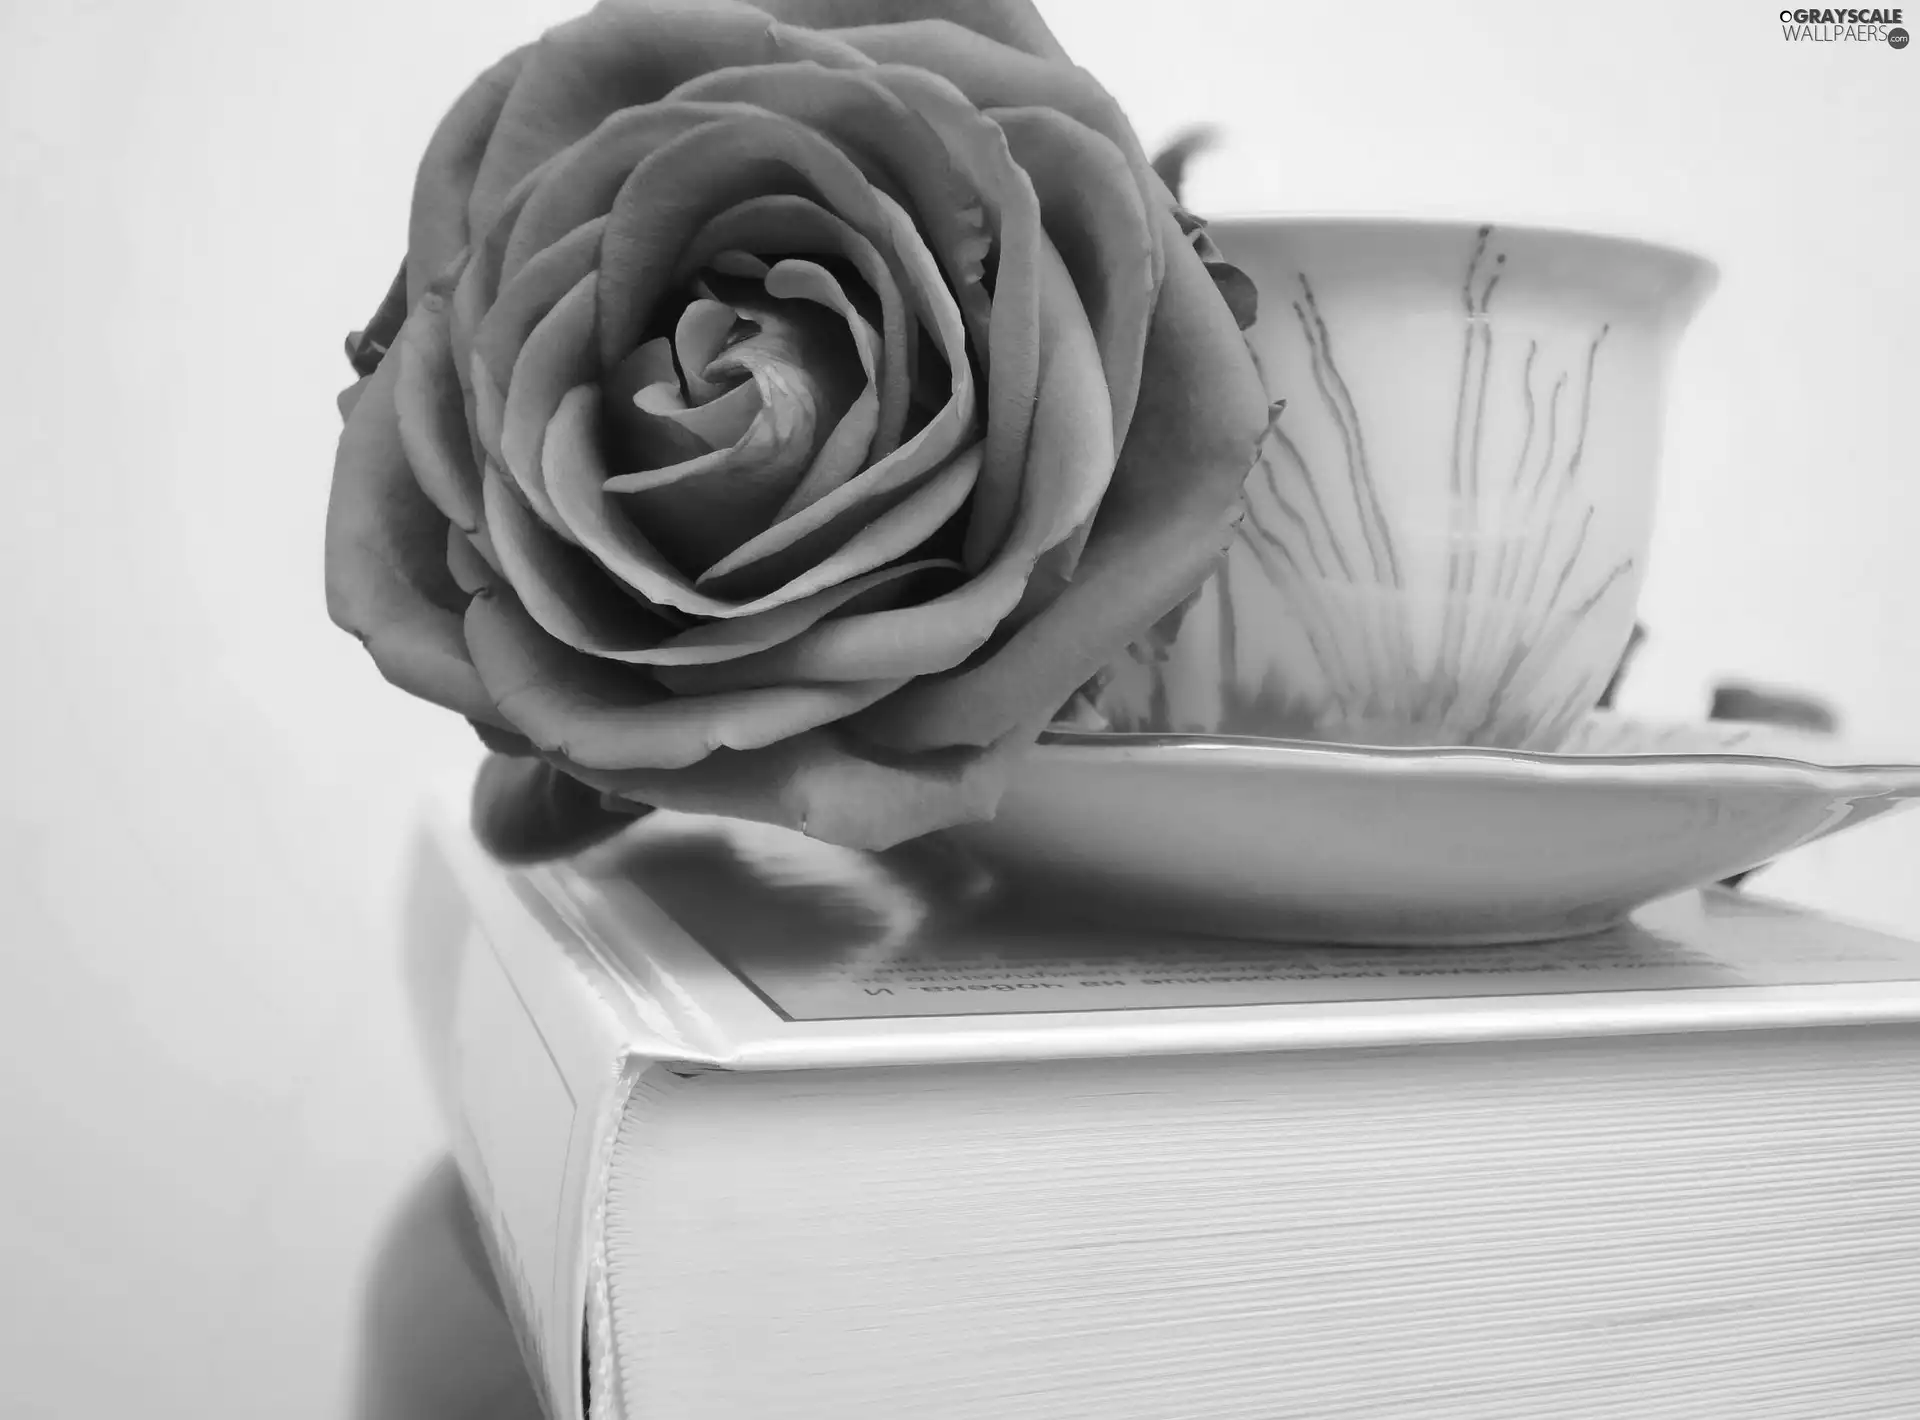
(823, 785)
(529, 295)
(621, 54)
(350, 396)
(579, 185)
(558, 357)
(433, 417)
(1175, 494)
(1012, 354)
(1011, 22)
(1097, 219)
(529, 311)
(468, 568)
(994, 75)
(438, 229)
(387, 578)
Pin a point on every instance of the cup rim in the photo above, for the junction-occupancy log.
(1707, 270)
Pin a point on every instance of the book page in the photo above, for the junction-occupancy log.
(820, 933)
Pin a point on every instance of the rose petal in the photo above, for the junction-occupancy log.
(848, 445)
(1236, 288)
(674, 192)
(698, 340)
(698, 510)
(781, 225)
(574, 457)
(482, 543)
(487, 411)
(1052, 570)
(894, 146)
(803, 363)
(792, 548)
(873, 636)
(739, 263)
(1175, 494)
(432, 414)
(1097, 221)
(437, 227)
(822, 785)
(558, 356)
(386, 570)
(887, 529)
(1011, 22)
(663, 420)
(465, 564)
(579, 184)
(530, 296)
(1012, 360)
(646, 414)
(1070, 463)
(579, 484)
(602, 715)
(578, 473)
(715, 643)
(621, 54)
(1071, 454)
(473, 297)
(651, 364)
(350, 396)
(994, 75)
(570, 595)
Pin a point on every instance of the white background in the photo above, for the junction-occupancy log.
(206, 1084)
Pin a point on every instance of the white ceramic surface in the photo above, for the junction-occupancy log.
(1447, 527)
(1315, 842)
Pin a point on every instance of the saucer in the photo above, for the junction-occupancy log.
(1297, 841)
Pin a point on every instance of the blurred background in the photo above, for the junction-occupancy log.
(206, 1083)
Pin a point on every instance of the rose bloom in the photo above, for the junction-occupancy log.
(789, 409)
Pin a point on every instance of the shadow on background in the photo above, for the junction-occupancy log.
(435, 1343)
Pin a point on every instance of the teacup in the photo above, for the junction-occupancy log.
(1447, 528)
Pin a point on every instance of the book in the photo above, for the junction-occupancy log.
(759, 1127)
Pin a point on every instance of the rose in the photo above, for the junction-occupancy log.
(786, 418)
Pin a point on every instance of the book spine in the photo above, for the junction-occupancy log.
(532, 1058)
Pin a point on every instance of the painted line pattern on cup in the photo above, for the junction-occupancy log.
(1510, 612)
